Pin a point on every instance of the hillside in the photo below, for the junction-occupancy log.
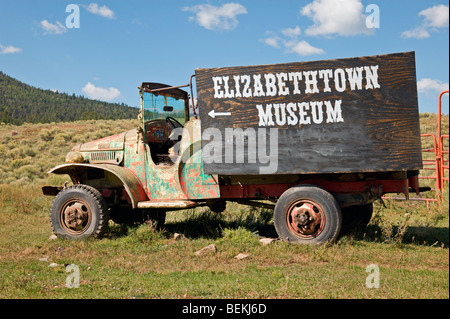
(407, 240)
(20, 103)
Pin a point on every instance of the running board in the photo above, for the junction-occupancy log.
(171, 204)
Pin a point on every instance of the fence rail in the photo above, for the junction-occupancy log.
(438, 162)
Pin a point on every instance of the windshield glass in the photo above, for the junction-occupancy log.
(154, 106)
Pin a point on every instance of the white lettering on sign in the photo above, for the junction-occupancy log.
(296, 83)
(294, 114)
(307, 82)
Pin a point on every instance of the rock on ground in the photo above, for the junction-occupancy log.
(205, 250)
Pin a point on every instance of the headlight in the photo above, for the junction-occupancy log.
(74, 157)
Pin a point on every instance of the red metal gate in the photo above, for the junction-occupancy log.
(444, 161)
(442, 153)
(437, 164)
(431, 162)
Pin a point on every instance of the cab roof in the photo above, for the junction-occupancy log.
(163, 89)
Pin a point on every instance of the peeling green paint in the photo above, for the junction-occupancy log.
(185, 179)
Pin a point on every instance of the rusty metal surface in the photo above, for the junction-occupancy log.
(375, 187)
(167, 204)
(184, 179)
(109, 143)
(163, 89)
(195, 183)
(142, 178)
(305, 219)
(130, 182)
(76, 216)
(441, 152)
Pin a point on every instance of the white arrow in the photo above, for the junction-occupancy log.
(214, 114)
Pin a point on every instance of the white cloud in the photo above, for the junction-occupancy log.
(431, 86)
(288, 39)
(272, 41)
(98, 93)
(9, 49)
(291, 32)
(303, 48)
(50, 28)
(103, 11)
(332, 17)
(417, 33)
(434, 18)
(217, 18)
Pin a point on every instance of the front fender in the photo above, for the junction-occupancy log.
(129, 181)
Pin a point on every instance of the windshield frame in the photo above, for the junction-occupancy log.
(158, 89)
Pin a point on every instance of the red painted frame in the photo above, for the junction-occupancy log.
(275, 190)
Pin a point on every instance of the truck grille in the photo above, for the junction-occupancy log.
(112, 157)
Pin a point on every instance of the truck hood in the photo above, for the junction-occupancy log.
(109, 143)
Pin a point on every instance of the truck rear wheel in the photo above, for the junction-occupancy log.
(79, 211)
(307, 215)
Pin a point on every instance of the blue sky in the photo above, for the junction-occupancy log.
(120, 44)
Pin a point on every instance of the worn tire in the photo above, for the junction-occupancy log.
(79, 211)
(307, 215)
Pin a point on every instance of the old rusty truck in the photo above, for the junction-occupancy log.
(318, 142)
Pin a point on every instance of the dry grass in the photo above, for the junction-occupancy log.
(144, 262)
(406, 240)
(28, 151)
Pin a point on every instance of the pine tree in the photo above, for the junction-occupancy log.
(21, 103)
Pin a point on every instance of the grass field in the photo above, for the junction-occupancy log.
(407, 241)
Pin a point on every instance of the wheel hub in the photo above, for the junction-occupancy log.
(305, 219)
(76, 216)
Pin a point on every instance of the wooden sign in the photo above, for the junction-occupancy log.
(333, 116)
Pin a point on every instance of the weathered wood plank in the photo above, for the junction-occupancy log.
(333, 116)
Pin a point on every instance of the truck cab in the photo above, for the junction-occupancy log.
(136, 175)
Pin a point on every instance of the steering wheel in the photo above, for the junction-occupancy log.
(173, 122)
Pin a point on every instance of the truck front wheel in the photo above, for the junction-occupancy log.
(79, 211)
(307, 215)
